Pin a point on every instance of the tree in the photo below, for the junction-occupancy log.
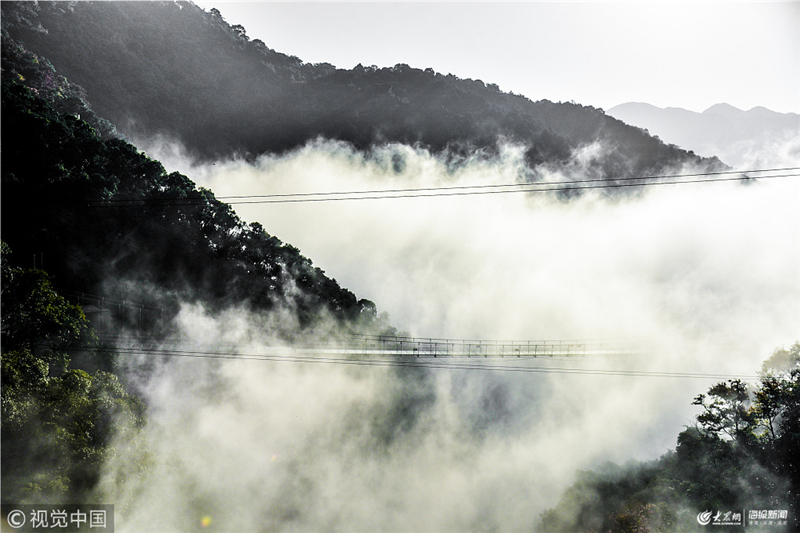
(113, 219)
(726, 410)
(36, 318)
(240, 31)
(743, 452)
(57, 422)
(782, 361)
(770, 405)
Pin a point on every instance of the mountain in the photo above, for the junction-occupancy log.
(110, 220)
(100, 217)
(172, 69)
(106, 219)
(758, 138)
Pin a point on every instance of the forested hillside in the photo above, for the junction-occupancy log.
(743, 453)
(172, 69)
(95, 215)
(106, 219)
(58, 419)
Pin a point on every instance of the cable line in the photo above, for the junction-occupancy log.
(519, 185)
(532, 188)
(459, 190)
(442, 363)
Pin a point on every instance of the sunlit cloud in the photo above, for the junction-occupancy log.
(708, 274)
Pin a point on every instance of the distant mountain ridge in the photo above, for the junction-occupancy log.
(175, 70)
(740, 138)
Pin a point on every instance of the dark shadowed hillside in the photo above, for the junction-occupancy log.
(106, 219)
(172, 69)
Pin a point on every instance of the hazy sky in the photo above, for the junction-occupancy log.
(670, 54)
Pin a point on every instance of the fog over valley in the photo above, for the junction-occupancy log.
(247, 293)
(705, 274)
(591, 267)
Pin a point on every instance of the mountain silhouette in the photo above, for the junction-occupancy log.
(173, 70)
(757, 138)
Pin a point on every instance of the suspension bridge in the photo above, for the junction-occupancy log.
(435, 347)
(396, 351)
(122, 325)
(384, 345)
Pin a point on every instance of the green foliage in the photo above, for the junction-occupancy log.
(726, 410)
(39, 75)
(744, 452)
(37, 319)
(57, 422)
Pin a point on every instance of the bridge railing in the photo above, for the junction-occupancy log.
(433, 347)
(402, 346)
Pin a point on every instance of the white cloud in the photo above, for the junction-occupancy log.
(707, 273)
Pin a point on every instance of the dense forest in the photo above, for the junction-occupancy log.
(106, 219)
(175, 70)
(58, 419)
(98, 216)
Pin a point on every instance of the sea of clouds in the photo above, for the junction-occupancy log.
(707, 275)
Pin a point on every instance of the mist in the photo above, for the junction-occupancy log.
(702, 260)
(707, 275)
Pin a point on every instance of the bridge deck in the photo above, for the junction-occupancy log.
(409, 347)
